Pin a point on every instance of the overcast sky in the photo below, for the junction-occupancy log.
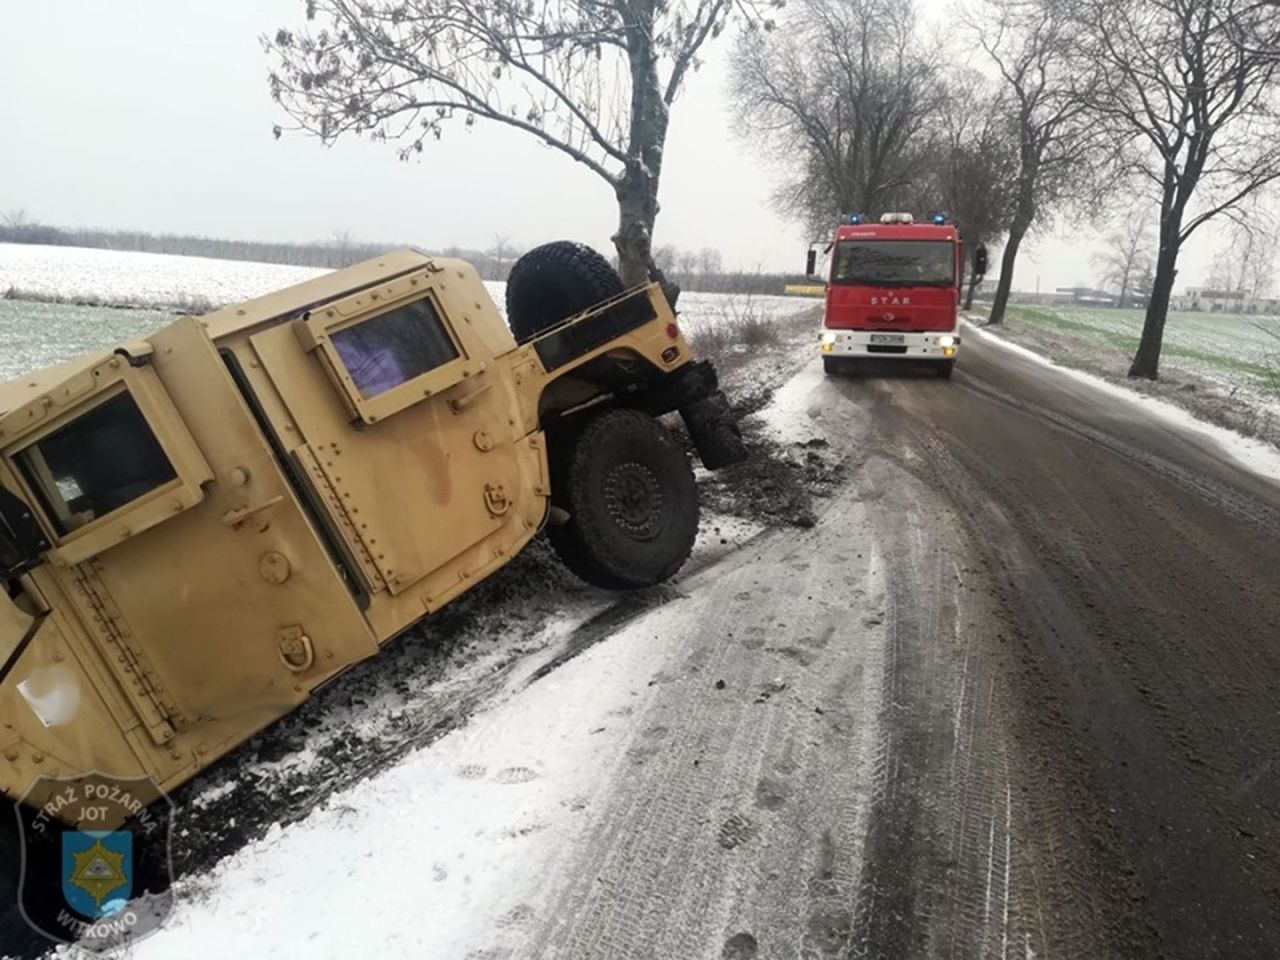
(154, 114)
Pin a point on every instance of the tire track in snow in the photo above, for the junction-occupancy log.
(749, 819)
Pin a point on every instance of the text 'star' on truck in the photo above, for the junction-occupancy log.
(200, 528)
(892, 292)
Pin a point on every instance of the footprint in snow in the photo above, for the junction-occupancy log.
(520, 913)
(736, 831)
(524, 830)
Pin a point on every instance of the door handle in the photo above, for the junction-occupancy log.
(237, 515)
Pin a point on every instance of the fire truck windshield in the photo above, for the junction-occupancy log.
(894, 263)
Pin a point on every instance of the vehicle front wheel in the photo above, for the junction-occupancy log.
(832, 366)
(945, 367)
(714, 431)
(631, 498)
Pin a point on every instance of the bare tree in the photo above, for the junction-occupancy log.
(501, 254)
(594, 79)
(15, 218)
(840, 99)
(688, 262)
(1193, 82)
(709, 261)
(1030, 42)
(1245, 264)
(1260, 275)
(664, 258)
(1125, 258)
(342, 246)
(974, 171)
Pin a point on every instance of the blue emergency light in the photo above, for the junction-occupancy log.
(855, 218)
(939, 218)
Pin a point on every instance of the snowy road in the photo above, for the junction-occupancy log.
(1014, 695)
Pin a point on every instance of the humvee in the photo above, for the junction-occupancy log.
(199, 528)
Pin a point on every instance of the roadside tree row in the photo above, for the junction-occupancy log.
(1165, 110)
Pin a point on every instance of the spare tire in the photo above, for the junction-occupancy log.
(555, 281)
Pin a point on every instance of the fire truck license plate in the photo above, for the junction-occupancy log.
(886, 338)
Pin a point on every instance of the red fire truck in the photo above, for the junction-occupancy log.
(892, 292)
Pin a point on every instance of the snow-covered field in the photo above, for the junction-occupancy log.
(1231, 349)
(1221, 368)
(151, 286)
(37, 335)
(148, 280)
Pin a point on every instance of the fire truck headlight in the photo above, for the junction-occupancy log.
(946, 341)
(828, 337)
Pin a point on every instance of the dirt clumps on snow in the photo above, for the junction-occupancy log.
(780, 482)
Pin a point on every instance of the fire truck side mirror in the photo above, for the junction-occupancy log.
(811, 263)
(980, 260)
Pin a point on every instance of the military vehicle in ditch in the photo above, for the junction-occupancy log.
(199, 528)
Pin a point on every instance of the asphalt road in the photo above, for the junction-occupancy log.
(1017, 694)
(1134, 641)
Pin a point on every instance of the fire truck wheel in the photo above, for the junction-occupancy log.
(631, 498)
(555, 281)
(832, 366)
(945, 367)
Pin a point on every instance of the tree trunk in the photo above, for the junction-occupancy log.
(1017, 230)
(1146, 362)
(973, 285)
(637, 189)
(637, 210)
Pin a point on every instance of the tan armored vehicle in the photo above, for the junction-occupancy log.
(200, 528)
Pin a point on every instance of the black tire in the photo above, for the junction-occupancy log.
(945, 367)
(832, 366)
(714, 431)
(555, 281)
(631, 498)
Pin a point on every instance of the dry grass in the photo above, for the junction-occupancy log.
(741, 326)
(184, 304)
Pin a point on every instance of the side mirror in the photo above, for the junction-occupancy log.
(811, 263)
(980, 260)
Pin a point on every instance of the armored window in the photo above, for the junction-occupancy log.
(96, 464)
(394, 347)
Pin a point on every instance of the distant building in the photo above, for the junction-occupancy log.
(1208, 300)
(986, 291)
(1088, 296)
